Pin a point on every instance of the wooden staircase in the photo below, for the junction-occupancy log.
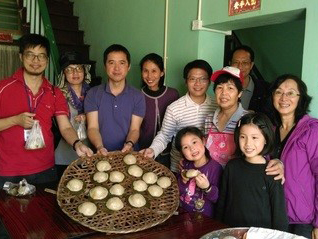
(9, 17)
(66, 31)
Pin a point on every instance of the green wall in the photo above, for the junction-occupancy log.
(108, 22)
(139, 25)
(215, 16)
(278, 48)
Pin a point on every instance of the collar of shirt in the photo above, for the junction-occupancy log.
(190, 102)
(46, 85)
(250, 86)
(235, 117)
(107, 89)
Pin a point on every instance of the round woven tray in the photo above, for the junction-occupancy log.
(128, 219)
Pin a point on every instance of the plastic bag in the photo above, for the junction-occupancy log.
(35, 140)
(19, 189)
(81, 130)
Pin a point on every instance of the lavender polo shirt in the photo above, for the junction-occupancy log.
(114, 112)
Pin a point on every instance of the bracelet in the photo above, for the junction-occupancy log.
(99, 147)
(207, 190)
(131, 142)
(75, 142)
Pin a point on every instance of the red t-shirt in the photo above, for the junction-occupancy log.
(16, 98)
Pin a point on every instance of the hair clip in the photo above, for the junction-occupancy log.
(239, 123)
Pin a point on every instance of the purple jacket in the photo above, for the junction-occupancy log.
(300, 157)
(190, 193)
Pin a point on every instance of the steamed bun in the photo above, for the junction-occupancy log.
(150, 177)
(103, 165)
(140, 185)
(192, 173)
(135, 170)
(75, 185)
(98, 193)
(116, 177)
(100, 177)
(130, 159)
(117, 190)
(137, 200)
(164, 182)
(87, 209)
(155, 190)
(114, 204)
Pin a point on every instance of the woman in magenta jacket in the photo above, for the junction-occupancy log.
(297, 147)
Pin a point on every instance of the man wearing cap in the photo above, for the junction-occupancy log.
(37, 100)
(189, 110)
(255, 90)
(115, 110)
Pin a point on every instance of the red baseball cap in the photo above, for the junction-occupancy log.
(228, 70)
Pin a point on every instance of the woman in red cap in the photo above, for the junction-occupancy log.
(220, 125)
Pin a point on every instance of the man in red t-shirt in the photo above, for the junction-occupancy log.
(27, 96)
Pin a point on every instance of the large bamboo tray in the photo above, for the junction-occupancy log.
(128, 219)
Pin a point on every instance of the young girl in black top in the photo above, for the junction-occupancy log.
(249, 197)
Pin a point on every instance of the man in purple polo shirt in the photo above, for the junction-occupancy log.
(114, 110)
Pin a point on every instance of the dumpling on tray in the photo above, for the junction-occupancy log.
(164, 182)
(130, 159)
(150, 178)
(75, 185)
(155, 191)
(140, 185)
(100, 177)
(103, 165)
(116, 177)
(98, 193)
(117, 190)
(87, 208)
(114, 204)
(135, 170)
(137, 200)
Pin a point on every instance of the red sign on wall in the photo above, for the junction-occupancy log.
(242, 6)
(6, 37)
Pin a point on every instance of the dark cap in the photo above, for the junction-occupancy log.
(69, 58)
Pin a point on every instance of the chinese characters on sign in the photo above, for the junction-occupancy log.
(242, 6)
(6, 37)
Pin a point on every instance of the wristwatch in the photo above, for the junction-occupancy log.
(130, 142)
(75, 142)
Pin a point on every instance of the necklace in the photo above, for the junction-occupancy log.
(77, 102)
(199, 203)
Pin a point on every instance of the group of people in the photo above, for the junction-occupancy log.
(250, 172)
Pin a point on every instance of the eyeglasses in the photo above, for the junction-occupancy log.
(31, 56)
(242, 63)
(72, 70)
(289, 94)
(201, 80)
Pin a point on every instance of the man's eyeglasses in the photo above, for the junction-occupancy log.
(72, 70)
(31, 56)
(242, 63)
(289, 94)
(202, 80)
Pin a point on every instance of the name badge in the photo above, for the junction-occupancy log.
(27, 133)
